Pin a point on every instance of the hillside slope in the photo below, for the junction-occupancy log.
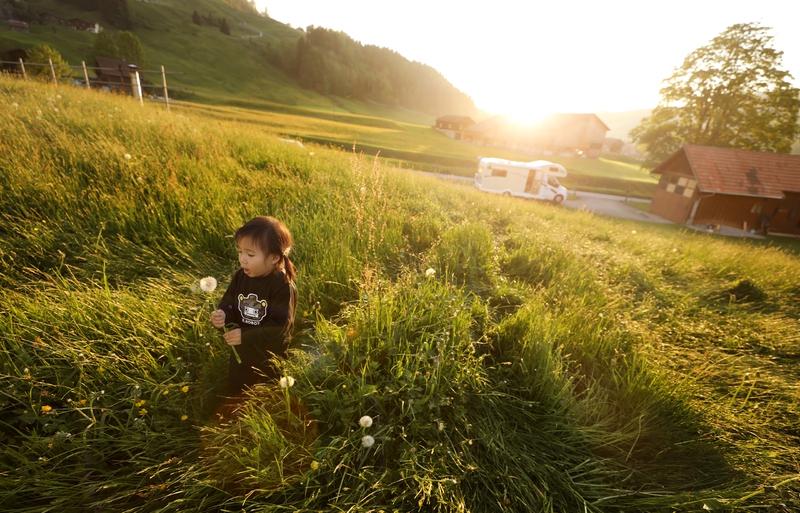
(216, 68)
(454, 351)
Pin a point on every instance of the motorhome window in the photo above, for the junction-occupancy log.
(554, 169)
(499, 172)
(552, 180)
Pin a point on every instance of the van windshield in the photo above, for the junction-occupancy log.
(553, 181)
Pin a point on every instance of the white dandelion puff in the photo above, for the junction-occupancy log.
(430, 272)
(633, 232)
(287, 381)
(15, 104)
(365, 421)
(208, 284)
(367, 441)
(127, 156)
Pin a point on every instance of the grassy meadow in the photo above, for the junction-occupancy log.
(511, 356)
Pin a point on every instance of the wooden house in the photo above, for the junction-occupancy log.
(453, 126)
(18, 26)
(114, 74)
(701, 185)
(84, 25)
(574, 135)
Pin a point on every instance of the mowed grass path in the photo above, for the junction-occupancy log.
(513, 356)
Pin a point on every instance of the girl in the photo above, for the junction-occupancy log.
(260, 301)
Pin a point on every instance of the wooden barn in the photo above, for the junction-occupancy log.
(11, 59)
(454, 126)
(701, 185)
(113, 74)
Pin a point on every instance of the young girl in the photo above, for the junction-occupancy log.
(260, 301)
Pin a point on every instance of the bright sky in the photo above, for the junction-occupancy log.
(528, 57)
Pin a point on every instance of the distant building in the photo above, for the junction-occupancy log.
(13, 56)
(613, 144)
(114, 74)
(701, 185)
(571, 135)
(18, 26)
(84, 26)
(453, 126)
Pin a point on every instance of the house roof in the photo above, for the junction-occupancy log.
(551, 122)
(15, 23)
(740, 172)
(111, 67)
(455, 119)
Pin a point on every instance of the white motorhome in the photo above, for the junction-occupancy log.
(532, 180)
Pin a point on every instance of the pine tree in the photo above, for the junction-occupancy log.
(196, 18)
(223, 27)
(130, 48)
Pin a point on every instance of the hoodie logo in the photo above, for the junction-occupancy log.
(252, 309)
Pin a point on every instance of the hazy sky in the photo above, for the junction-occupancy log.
(530, 57)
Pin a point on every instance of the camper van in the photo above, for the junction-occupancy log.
(532, 180)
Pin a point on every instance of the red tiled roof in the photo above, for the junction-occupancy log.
(742, 172)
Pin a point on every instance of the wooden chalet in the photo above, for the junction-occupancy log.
(84, 25)
(701, 185)
(114, 74)
(18, 26)
(571, 135)
(454, 126)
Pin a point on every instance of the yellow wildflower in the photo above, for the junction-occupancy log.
(83, 401)
(184, 417)
(185, 389)
(140, 403)
(165, 392)
(143, 412)
(46, 409)
(314, 465)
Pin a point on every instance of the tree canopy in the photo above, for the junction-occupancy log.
(42, 55)
(731, 93)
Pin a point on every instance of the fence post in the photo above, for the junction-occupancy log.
(22, 65)
(164, 81)
(52, 71)
(85, 75)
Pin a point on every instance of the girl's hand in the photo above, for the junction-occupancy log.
(218, 318)
(233, 337)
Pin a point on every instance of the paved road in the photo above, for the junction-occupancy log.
(614, 206)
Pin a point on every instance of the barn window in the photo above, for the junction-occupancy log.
(671, 187)
(756, 208)
(682, 181)
(499, 172)
(662, 184)
(688, 192)
(679, 189)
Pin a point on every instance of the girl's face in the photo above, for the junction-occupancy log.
(253, 260)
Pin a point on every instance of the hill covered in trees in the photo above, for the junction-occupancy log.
(331, 62)
(256, 60)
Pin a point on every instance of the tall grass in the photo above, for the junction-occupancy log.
(512, 356)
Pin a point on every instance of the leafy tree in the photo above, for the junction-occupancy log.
(41, 55)
(130, 48)
(196, 18)
(104, 46)
(224, 28)
(730, 93)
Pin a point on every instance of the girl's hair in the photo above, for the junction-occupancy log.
(273, 238)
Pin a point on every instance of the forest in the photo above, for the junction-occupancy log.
(331, 62)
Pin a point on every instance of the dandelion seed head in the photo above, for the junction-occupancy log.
(127, 156)
(287, 381)
(15, 104)
(430, 272)
(208, 284)
(365, 421)
(367, 441)
(633, 232)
